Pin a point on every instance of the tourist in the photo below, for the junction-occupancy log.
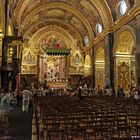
(136, 94)
(4, 110)
(26, 100)
(80, 92)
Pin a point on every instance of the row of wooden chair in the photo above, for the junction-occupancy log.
(97, 117)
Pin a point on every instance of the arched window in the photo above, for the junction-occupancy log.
(122, 7)
(99, 28)
(86, 40)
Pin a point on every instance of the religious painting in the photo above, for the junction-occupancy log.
(29, 62)
(29, 58)
(76, 59)
(52, 41)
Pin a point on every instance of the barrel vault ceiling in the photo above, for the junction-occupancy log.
(77, 18)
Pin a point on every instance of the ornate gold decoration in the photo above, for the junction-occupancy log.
(124, 43)
(29, 61)
(99, 66)
(123, 76)
(55, 68)
(76, 58)
(100, 75)
(63, 7)
(76, 70)
(123, 52)
(100, 56)
(87, 66)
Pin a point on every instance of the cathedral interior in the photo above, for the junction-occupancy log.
(63, 44)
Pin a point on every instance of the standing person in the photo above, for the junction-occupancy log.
(26, 100)
(136, 93)
(80, 92)
(120, 92)
(4, 109)
(17, 97)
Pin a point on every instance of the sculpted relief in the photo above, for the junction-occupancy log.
(99, 54)
(125, 43)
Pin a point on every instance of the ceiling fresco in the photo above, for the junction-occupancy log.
(74, 13)
(52, 41)
(77, 17)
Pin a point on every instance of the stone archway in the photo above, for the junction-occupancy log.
(124, 59)
(99, 66)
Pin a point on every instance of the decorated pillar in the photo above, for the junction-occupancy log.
(92, 67)
(109, 61)
(137, 52)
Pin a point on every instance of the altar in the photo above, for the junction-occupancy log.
(57, 84)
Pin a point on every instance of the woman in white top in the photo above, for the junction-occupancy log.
(136, 94)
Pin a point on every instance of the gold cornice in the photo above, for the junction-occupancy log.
(65, 7)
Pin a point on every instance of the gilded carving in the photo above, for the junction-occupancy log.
(125, 43)
(28, 69)
(99, 54)
(100, 76)
(55, 68)
(124, 66)
(124, 75)
(29, 58)
(99, 66)
(76, 70)
(29, 61)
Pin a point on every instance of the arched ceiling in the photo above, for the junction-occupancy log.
(77, 17)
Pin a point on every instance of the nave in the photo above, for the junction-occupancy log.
(90, 118)
(20, 126)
